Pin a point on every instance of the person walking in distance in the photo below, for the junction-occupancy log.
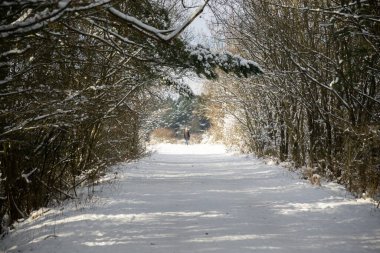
(186, 135)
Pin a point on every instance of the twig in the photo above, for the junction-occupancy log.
(59, 190)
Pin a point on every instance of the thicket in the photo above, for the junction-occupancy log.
(318, 103)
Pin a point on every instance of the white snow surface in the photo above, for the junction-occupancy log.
(200, 198)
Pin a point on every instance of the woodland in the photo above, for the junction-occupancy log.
(81, 84)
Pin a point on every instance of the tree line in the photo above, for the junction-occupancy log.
(318, 102)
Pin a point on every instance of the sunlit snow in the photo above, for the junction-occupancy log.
(200, 198)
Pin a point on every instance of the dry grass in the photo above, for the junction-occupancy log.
(163, 135)
(196, 138)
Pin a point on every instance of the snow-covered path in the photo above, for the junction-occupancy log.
(198, 198)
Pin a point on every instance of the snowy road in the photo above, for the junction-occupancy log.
(199, 199)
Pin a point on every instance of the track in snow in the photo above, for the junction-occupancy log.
(198, 198)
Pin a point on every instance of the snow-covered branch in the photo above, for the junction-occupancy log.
(166, 35)
(206, 61)
(23, 125)
(89, 6)
(14, 51)
(181, 87)
(337, 12)
(31, 21)
(27, 175)
(35, 22)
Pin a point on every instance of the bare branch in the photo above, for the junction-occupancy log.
(154, 32)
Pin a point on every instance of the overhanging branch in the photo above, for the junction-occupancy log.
(154, 32)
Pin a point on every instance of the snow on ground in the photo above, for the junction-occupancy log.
(199, 198)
